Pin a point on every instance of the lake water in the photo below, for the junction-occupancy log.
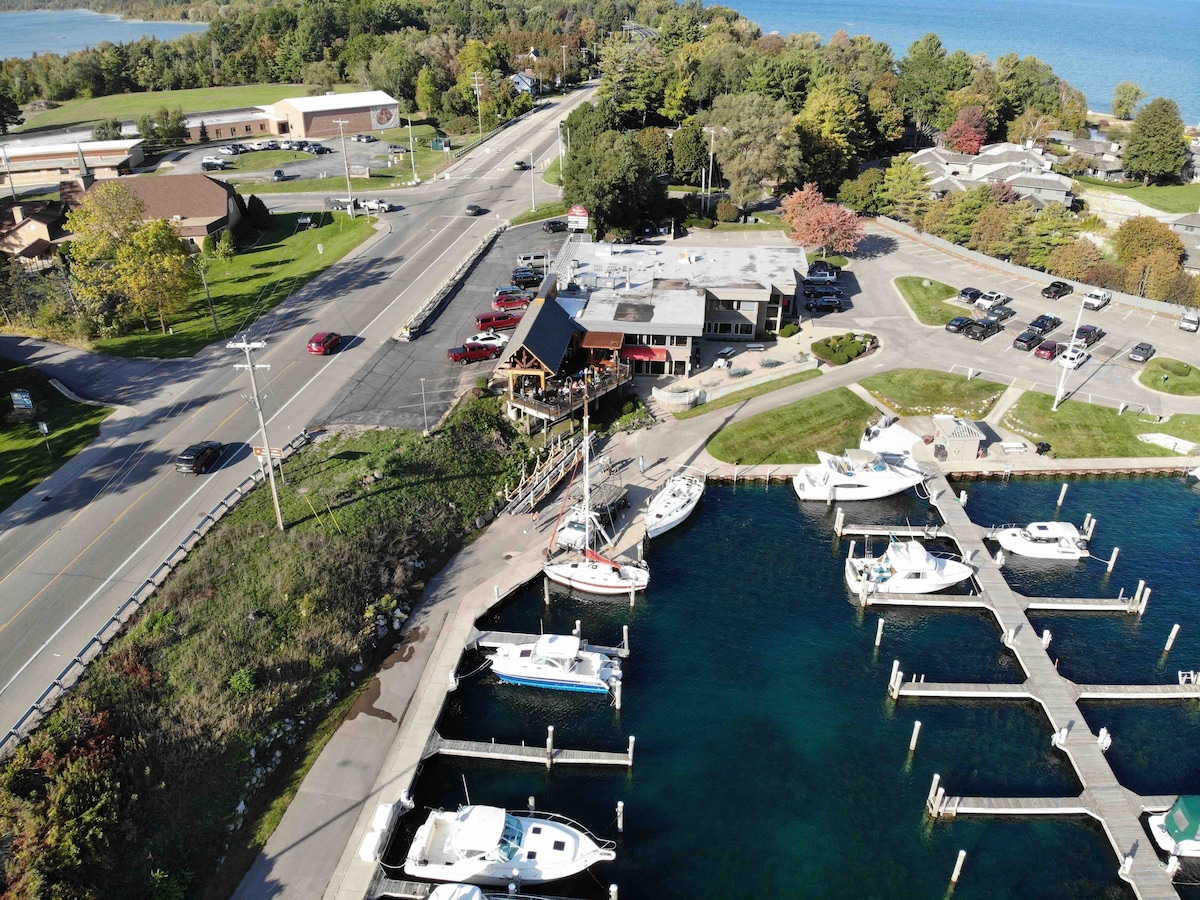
(62, 31)
(1094, 44)
(770, 762)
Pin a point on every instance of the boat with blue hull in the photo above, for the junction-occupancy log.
(556, 662)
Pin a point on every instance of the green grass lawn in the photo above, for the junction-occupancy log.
(927, 300)
(555, 210)
(794, 433)
(923, 392)
(767, 222)
(27, 458)
(258, 278)
(1083, 431)
(553, 173)
(1171, 376)
(1171, 198)
(334, 185)
(748, 394)
(263, 160)
(840, 261)
(129, 106)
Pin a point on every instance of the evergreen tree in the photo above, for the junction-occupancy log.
(1155, 149)
(202, 137)
(107, 130)
(10, 113)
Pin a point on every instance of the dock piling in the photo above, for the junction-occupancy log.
(546, 590)
(532, 803)
(839, 521)
(612, 892)
(620, 816)
(625, 637)
(496, 591)
(1171, 639)
(879, 633)
(617, 693)
(1045, 637)
(1087, 523)
(933, 788)
(894, 680)
(1000, 559)
(632, 739)
(1145, 600)
(578, 632)
(958, 866)
(1137, 597)
(1112, 560)
(850, 555)
(512, 889)
(632, 597)
(962, 498)
(1062, 495)
(1104, 739)
(912, 743)
(453, 680)
(1091, 528)
(549, 746)
(1172, 866)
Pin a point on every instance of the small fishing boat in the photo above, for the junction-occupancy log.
(558, 662)
(905, 567)
(1043, 540)
(490, 846)
(673, 502)
(1177, 831)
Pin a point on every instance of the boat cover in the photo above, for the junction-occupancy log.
(1183, 821)
(558, 646)
(1053, 530)
(477, 829)
(456, 892)
(910, 556)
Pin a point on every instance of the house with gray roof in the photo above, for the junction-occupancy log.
(1026, 169)
(1188, 228)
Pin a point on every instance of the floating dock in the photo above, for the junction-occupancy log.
(549, 755)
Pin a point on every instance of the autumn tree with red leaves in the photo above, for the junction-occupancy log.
(815, 222)
(969, 130)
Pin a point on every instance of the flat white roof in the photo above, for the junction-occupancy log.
(328, 102)
(225, 116)
(93, 147)
(674, 311)
(710, 267)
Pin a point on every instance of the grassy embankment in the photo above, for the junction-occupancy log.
(1170, 198)
(925, 392)
(1171, 376)
(749, 393)
(927, 301)
(258, 279)
(127, 107)
(128, 787)
(555, 210)
(1083, 431)
(28, 456)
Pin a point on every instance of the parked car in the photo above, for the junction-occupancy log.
(272, 145)
(199, 458)
(318, 149)
(497, 321)
(227, 151)
(1027, 340)
(1190, 320)
(1057, 289)
(525, 277)
(468, 353)
(824, 304)
(823, 265)
(397, 148)
(983, 329)
(958, 323)
(489, 338)
(1050, 349)
(1074, 358)
(258, 145)
(240, 148)
(341, 203)
(970, 295)
(991, 299)
(379, 204)
(1001, 313)
(473, 210)
(1141, 352)
(519, 165)
(822, 290)
(214, 159)
(217, 166)
(1097, 299)
(820, 276)
(278, 175)
(1044, 324)
(1088, 334)
(551, 226)
(515, 299)
(324, 342)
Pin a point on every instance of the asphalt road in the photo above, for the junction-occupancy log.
(78, 546)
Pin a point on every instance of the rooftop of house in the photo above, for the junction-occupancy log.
(640, 265)
(188, 196)
(332, 102)
(666, 309)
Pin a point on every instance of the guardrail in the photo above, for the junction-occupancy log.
(412, 327)
(74, 670)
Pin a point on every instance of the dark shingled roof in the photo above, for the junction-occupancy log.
(545, 331)
(190, 196)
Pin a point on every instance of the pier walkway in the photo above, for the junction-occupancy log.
(548, 755)
(1104, 797)
(1025, 691)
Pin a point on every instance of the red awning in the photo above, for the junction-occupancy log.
(654, 354)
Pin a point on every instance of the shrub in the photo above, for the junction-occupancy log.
(728, 212)
(241, 682)
(839, 358)
(789, 330)
(699, 222)
(738, 373)
(208, 245)
(1176, 368)
(771, 363)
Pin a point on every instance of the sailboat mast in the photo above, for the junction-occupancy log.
(587, 485)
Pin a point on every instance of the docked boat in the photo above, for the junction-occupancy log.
(490, 846)
(1177, 831)
(1193, 475)
(673, 502)
(905, 567)
(857, 475)
(558, 662)
(1043, 540)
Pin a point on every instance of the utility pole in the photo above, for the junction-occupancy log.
(341, 124)
(477, 84)
(411, 154)
(712, 134)
(532, 183)
(564, 75)
(200, 265)
(248, 347)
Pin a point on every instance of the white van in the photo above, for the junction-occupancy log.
(1190, 320)
(535, 261)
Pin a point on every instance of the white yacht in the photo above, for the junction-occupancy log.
(489, 846)
(905, 567)
(1175, 831)
(856, 475)
(1043, 540)
(673, 502)
(558, 662)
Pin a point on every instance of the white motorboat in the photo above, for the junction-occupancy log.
(905, 567)
(489, 846)
(857, 475)
(558, 662)
(1176, 830)
(673, 502)
(1193, 475)
(1043, 540)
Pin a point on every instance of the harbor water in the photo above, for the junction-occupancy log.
(769, 761)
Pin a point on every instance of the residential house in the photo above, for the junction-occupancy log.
(1188, 229)
(1026, 169)
(197, 204)
(31, 232)
(1105, 158)
(524, 82)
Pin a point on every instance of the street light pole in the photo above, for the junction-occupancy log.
(424, 410)
(248, 347)
(411, 154)
(341, 123)
(532, 183)
(712, 134)
(1062, 380)
(476, 83)
(204, 280)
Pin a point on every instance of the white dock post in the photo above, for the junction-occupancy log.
(532, 804)
(578, 632)
(1127, 865)
(1145, 600)
(1087, 522)
(939, 800)
(496, 591)
(850, 555)
(632, 600)
(839, 521)
(879, 633)
(625, 637)
(617, 693)
(962, 497)
(549, 746)
(894, 677)
(1104, 739)
(632, 739)
(1091, 528)
(933, 788)
(1172, 866)
(962, 857)
(912, 743)
(1045, 638)
(453, 680)
(1000, 558)
(620, 816)
(1171, 639)
(546, 590)
(612, 892)
(1062, 495)
(1137, 596)
(1112, 560)
(512, 889)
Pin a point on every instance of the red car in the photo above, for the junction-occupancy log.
(496, 321)
(324, 342)
(1050, 349)
(517, 299)
(469, 352)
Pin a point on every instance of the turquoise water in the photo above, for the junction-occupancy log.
(1094, 44)
(63, 31)
(769, 761)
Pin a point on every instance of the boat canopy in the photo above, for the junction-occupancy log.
(478, 829)
(558, 646)
(1183, 821)
(456, 892)
(910, 556)
(1051, 531)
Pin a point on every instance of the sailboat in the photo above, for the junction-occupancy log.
(594, 572)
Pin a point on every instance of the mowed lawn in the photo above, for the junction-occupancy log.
(1171, 376)
(258, 279)
(27, 459)
(1083, 431)
(924, 392)
(927, 301)
(1171, 198)
(127, 107)
(794, 433)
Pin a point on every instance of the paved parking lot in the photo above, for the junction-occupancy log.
(302, 165)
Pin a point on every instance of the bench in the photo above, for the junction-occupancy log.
(756, 346)
(1014, 446)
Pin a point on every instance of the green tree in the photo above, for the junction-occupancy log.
(613, 178)
(1142, 235)
(998, 228)
(202, 135)
(862, 194)
(831, 131)
(1072, 107)
(146, 127)
(689, 152)
(10, 112)
(1053, 227)
(1126, 97)
(107, 130)
(226, 248)
(109, 216)
(170, 124)
(1023, 85)
(924, 79)
(1153, 275)
(961, 211)
(1156, 149)
(754, 142)
(154, 271)
(429, 92)
(905, 192)
(657, 147)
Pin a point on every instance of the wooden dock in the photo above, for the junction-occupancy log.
(547, 755)
(1103, 796)
(1002, 691)
(1122, 605)
(928, 532)
(493, 639)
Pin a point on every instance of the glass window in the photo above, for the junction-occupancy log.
(745, 329)
(658, 340)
